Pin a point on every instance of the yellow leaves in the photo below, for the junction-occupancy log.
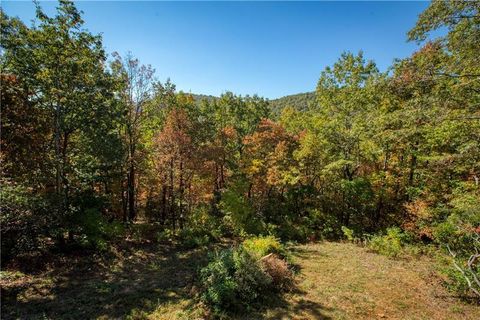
(255, 167)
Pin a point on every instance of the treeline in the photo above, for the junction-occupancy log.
(90, 143)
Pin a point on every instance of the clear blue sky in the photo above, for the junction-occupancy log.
(269, 48)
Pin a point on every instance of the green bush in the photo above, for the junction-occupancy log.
(95, 231)
(26, 220)
(239, 216)
(348, 233)
(458, 234)
(193, 238)
(236, 279)
(233, 280)
(390, 245)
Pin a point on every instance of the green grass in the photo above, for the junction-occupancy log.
(153, 281)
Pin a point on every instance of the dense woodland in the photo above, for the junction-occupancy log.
(92, 144)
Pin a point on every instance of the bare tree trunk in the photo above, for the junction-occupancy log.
(163, 213)
(131, 193)
(172, 196)
(181, 190)
(124, 199)
(131, 180)
(413, 165)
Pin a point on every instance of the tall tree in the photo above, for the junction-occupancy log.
(135, 88)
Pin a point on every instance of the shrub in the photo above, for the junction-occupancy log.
(459, 234)
(348, 233)
(165, 235)
(263, 245)
(390, 244)
(252, 282)
(193, 238)
(233, 280)
(218, 280)
(278, 269)
(236, 279)
(24, 219)
(94, 230)
(239, 213)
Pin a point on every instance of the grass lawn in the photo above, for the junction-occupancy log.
(154, 281)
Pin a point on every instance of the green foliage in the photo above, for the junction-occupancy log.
(239, 213)
(238, 279)
(262, 245)
(23, 218)
(366, 151)
(233, 280)
(166, 235)
(95, 231)
(458, 235)
(193, 238)
(390, 245)
(348, 233)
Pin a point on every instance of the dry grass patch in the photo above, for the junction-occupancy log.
(345, 281)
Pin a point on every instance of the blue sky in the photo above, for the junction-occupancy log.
(268, 48)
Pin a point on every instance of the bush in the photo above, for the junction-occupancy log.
(238, 212)
(218, 280)
(236, 279)
(279, 270)
(252, 282)
(94, 230)
(263, 245)
(459, 234)
(24, 219)
(348, 233)
(390, 245)
(233, 280)
(194, 238)
(166, 235)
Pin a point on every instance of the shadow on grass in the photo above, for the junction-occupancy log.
(279, 307)
(135, 279)
(141, 279)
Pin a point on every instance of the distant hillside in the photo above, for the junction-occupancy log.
(299, 101)
(199, 97)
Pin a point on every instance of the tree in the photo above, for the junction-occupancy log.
(135, 87)
(175, 165)
(60, 69)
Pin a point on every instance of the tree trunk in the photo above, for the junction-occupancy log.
(181, 191)
(172, 196)
(163, 212)
(131, 193)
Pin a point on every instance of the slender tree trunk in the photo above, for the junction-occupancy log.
(163, 213)
(380, 204)
(181, 190)
(131, 193)
(413, 165)
(124, 198)
(131, 181)
(172, 196)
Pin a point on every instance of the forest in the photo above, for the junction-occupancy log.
(104, 168)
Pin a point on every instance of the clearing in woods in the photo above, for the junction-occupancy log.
(151, 281)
